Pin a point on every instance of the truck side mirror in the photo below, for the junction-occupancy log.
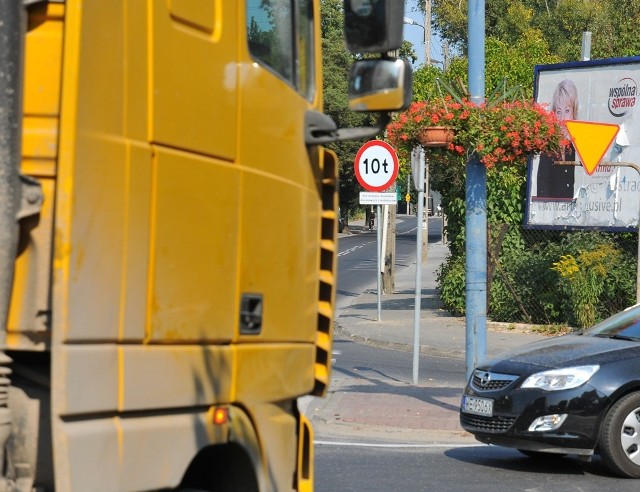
(373, 26)
(379, 85)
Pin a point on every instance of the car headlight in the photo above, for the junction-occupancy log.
(560, 379)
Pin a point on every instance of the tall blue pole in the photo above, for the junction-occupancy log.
(476, 206)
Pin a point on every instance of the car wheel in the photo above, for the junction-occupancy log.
(620, 437)
(540, 455)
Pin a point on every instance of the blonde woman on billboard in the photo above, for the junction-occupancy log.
(556, 182)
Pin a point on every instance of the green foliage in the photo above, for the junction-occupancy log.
(560, 24)
(616, 28)
(505, 191)
(407, 52)
(596, 273)
(424, 83)
(336, 61)
(451, 279)
(523, 283)
(506, 64)
(447, 176)
(619, 287)
(550, 277)
(582, 278)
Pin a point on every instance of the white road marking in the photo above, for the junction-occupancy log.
(351, 250)
(405, 445)
(408, 231)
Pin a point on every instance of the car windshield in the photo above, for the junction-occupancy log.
(624, 325)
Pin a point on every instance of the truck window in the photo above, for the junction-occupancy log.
(280, 34)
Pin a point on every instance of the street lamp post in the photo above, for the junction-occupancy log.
(421, 180)
(411, 22)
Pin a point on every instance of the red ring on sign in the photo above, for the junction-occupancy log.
(396, 165)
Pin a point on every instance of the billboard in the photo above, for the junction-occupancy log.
(565, 196)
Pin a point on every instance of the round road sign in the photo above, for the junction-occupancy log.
(376, 165)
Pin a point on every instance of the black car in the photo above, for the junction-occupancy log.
(575, 394)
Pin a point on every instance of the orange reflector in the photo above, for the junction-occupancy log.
(220, 416)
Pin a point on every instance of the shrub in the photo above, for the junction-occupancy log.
(451, 282)
(582, 279)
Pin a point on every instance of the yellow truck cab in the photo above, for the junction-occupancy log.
(168, 237)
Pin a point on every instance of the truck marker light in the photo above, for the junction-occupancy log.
(220, 416)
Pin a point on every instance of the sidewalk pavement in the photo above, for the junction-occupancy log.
(370, 406)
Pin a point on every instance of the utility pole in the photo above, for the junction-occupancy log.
(476, 205)
(427, 32)
(408, 203)
(427, 61)
(445, 52)
(423, 219)
(389, 258)
(585, 52)
(425, 212)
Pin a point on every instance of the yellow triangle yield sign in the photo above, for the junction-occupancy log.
(591, 140)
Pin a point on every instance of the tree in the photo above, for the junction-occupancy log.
(559, 22)
(521, 283)
(336, 62)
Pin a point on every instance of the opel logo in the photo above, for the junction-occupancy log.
(485, 379)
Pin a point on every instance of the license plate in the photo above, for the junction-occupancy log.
(477, 406)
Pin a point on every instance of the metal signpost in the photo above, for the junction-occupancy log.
(376, 167)
(418, 168)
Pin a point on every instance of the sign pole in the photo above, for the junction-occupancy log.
(379, 263)
(376, 167)
(416, 318)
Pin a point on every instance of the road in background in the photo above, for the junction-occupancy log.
(357, 257)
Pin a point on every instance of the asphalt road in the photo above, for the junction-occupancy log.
(357, 257)
(434, 468)
(382, 366)
(358, 463)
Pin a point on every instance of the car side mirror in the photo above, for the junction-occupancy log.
(373, 26)
(379, 85)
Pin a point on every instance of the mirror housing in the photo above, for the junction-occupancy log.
(373, 26)
(380, 85)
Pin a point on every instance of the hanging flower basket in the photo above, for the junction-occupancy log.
(435, 136)
(502, 132)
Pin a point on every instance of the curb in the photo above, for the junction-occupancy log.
(402, 347)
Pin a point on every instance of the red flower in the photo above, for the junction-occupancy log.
(500, 132)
